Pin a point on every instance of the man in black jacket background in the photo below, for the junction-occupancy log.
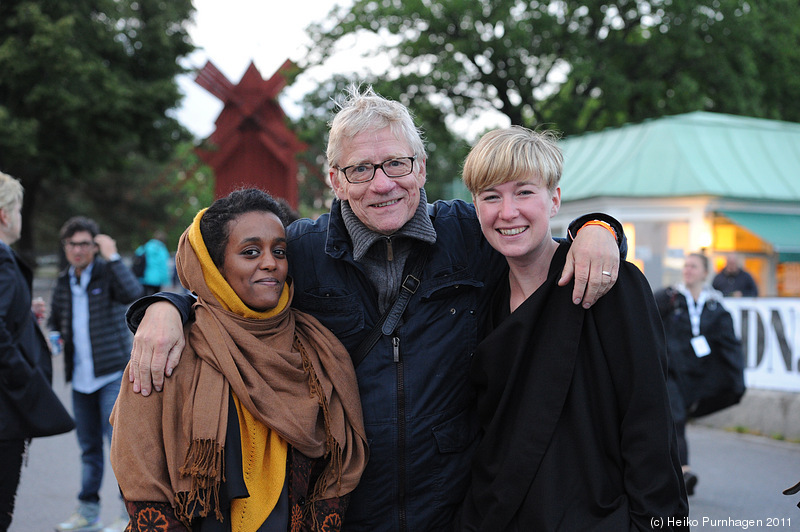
(88, 309)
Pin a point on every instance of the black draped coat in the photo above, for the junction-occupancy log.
(577, 431)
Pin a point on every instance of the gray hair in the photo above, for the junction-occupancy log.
(368, 111)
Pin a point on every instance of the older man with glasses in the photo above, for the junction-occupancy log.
(404, 285)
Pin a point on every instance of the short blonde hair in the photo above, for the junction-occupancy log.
(11, 192)
(513, 154)
(368, 111)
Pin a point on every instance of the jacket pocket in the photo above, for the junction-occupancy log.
(449, 283)
(456, 440)
(456, 434)
(336, 309)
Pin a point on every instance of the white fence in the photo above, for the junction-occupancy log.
(770, 333)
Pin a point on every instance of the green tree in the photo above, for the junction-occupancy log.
(311, 128)
(582, 65)
(84, 99)
(158, 196)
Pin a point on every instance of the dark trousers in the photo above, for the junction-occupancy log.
(11, 453)
(678, 409)
(149, 289)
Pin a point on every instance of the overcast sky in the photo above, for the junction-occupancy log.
(235, 32)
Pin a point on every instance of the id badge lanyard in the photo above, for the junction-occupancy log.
(695, 308)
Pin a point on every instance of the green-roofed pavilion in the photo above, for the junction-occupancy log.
(700, 180)
(687, 155)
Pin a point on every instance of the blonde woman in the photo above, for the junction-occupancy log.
(576, 432)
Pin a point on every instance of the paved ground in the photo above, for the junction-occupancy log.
(50, 482)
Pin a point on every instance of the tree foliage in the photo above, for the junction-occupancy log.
(581, 65)
(156, 196)
(84, 98)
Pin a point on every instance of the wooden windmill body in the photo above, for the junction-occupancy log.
(251, 145)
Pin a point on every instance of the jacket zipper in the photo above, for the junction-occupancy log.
(401, 433)
(389, 249)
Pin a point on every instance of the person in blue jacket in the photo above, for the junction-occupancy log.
(157, 272)
(348, 267)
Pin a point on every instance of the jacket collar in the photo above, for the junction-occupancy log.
(26, 270)
(347, 232)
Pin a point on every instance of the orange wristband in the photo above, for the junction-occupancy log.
(601, 223)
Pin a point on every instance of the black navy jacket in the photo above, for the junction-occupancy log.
(576, 427)
(111, 288)
(703, 384)
(25, 365)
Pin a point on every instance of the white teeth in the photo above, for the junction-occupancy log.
(511, 232)
(386, 203)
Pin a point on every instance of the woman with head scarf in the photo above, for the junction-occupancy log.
(262, 428)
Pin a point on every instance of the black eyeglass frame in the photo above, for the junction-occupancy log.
(375, 168)
(78, 245)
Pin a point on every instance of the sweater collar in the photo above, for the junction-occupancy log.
(419, 227)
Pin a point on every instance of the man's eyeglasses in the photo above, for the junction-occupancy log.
(361, 173)
(78, 245)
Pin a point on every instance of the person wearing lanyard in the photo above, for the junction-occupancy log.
(694, 320)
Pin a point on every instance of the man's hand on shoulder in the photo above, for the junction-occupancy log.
(157, 347)
(593, 260)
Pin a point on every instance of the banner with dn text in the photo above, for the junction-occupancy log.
(770, 333)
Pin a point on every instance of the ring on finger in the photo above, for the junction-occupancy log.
(606, 273)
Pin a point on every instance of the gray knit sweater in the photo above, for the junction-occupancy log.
(384, 257)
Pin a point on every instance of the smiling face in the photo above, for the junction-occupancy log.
(383, 204)
(255, 264)
(515, 217)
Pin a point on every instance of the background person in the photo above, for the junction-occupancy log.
(28, 406)
(576, 432)
(348, 267)
(88, 309)
(261, 385)
(696, 324)
(156, 273)
(733, 281)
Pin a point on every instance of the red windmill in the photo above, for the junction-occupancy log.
(251, 145)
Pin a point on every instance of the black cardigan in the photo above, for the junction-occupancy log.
(28, 406)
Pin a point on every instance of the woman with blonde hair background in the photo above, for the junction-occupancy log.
(705, 355)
